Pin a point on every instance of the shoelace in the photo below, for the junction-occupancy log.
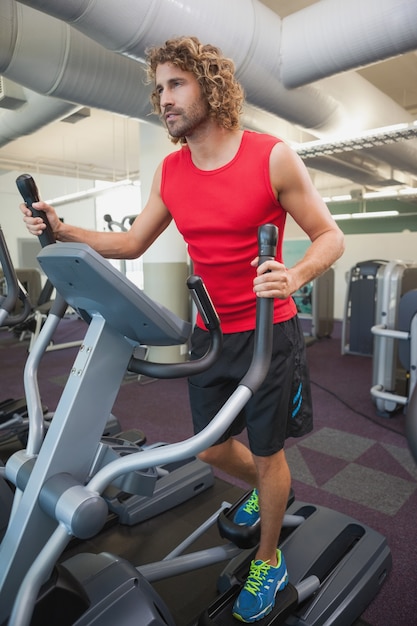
(256, 577)
(252, 505)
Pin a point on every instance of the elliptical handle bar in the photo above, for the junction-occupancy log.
(29, 192)
(189, 368)
(203, 302)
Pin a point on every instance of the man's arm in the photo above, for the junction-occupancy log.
(298, 196)
(148, 225)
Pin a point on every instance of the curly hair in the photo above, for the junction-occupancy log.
(214, 72)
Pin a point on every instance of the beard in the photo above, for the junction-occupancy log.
(188, 120)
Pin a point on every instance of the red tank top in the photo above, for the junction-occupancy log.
(218, 213)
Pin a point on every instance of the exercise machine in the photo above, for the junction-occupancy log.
(15, 306)
(9, 418)
(14, 291)
(360, 307)
(130, 499)
(59, 498)
(395, 338)
(30, 539)
(336, 564)
(315, 306)
(38, 303)
(31, 326)
(55, 481)
(401, 341)
(411, 424)
(122, 226)
(14, 412)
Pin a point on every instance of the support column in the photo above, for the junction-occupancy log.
(165, 264)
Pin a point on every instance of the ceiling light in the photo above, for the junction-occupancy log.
(342, 216)
(342, 198)
(372, 195)
(89, 193)
(405, 192)
(375, 214)
(348, 216)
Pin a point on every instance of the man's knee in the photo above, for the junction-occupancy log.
(275, 462)
(213, 454)
(205, 457)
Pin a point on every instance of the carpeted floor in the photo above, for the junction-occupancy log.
(353, 461)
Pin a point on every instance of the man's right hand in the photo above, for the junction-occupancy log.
(35, 225)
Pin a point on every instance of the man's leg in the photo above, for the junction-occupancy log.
(274, 482)
(267, 572)
(234, 458)
(270, 474)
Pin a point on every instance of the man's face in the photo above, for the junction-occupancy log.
(183, 107)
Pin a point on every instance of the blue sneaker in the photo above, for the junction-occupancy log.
(257, 597)
(248, 513)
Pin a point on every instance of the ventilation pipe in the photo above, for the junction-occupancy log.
(332, 36)
(129, 27)
(254, 42)
(37, 112)
(48, 57)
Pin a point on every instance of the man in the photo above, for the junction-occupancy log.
(219, 187)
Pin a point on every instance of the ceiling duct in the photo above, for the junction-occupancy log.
(38, 111)
(68, 65)
(97, 61)
(256, 42)
(333, 36)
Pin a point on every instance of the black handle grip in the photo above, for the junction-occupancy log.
(203, 302)
(29, 192)
(267, 242)
(261, 359)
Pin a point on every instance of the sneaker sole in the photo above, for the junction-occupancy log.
(256, 618)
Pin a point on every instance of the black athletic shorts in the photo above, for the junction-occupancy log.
(280, 408)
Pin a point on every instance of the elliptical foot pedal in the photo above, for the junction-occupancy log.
(244, 537)
(220, 611)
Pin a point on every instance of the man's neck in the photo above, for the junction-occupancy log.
(214, 146)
